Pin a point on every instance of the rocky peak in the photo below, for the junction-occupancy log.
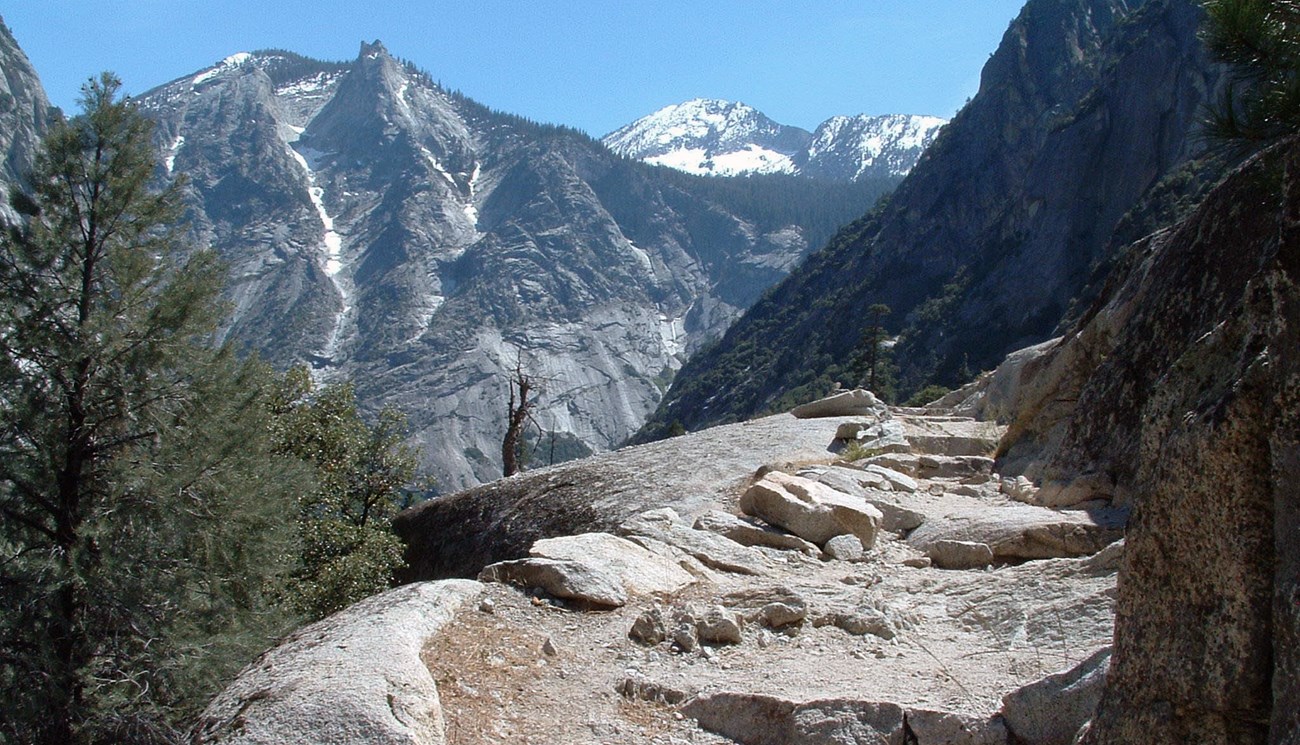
(710, 136)
(1048, 49)
(386, 230)
(374, 50)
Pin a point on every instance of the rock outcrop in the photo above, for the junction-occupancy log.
(25, 115)
(773, 641)
(1051, 711)
(1178, 393)
(356, 676)
(457, 535)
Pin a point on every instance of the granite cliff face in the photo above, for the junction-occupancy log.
(1084, 109)
(406, 237)
(25, 114)
(1178, 393)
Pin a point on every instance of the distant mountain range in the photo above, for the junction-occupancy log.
(724, 138)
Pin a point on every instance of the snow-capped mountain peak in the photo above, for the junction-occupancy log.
(711, 137)
(852, 147)
(725, 138)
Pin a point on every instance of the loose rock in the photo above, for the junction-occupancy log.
(960, 554)
(811, 510)
(711, 549)
(640, 570)
(719, 626)
(640, 688)
(648, 629)
(847, 403)
(844, 548)
(571, 580)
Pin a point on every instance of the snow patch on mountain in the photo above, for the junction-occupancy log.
(471, 211)
(229, 63)
(170, 160)
(752, 159)
(331, 244)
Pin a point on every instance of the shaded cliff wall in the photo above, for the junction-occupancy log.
(1179, 393)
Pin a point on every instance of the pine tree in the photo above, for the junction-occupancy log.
(1261, 40)
(362, 473)
(142, 512)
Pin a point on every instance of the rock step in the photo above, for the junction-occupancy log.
(756, 719)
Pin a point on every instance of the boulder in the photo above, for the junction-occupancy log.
(648, 628)
(639, 688)
(711, 549)
(748, 534)
(811, 510)
(855, 481)
(904, 463)
(355, 676)
(751, 719)
(950, 728)
(1074, 491)
(1019, 488)
(959, 554)
(1018, 531)
(717, 625)
(846, 403)
(875, 485)
(570, 580)
(897, 480)
(639, 570)
(844, 548)
(968, 468)
(878, 437)
(1051, 711)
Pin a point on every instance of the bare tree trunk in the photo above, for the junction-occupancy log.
(518, 413)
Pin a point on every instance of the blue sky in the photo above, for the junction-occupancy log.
(591, 65)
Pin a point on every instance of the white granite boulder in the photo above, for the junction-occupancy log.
(811, 510)
(1018, 531)
(570, 580)
(845, 403)
(959, 554)
(640, 570)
